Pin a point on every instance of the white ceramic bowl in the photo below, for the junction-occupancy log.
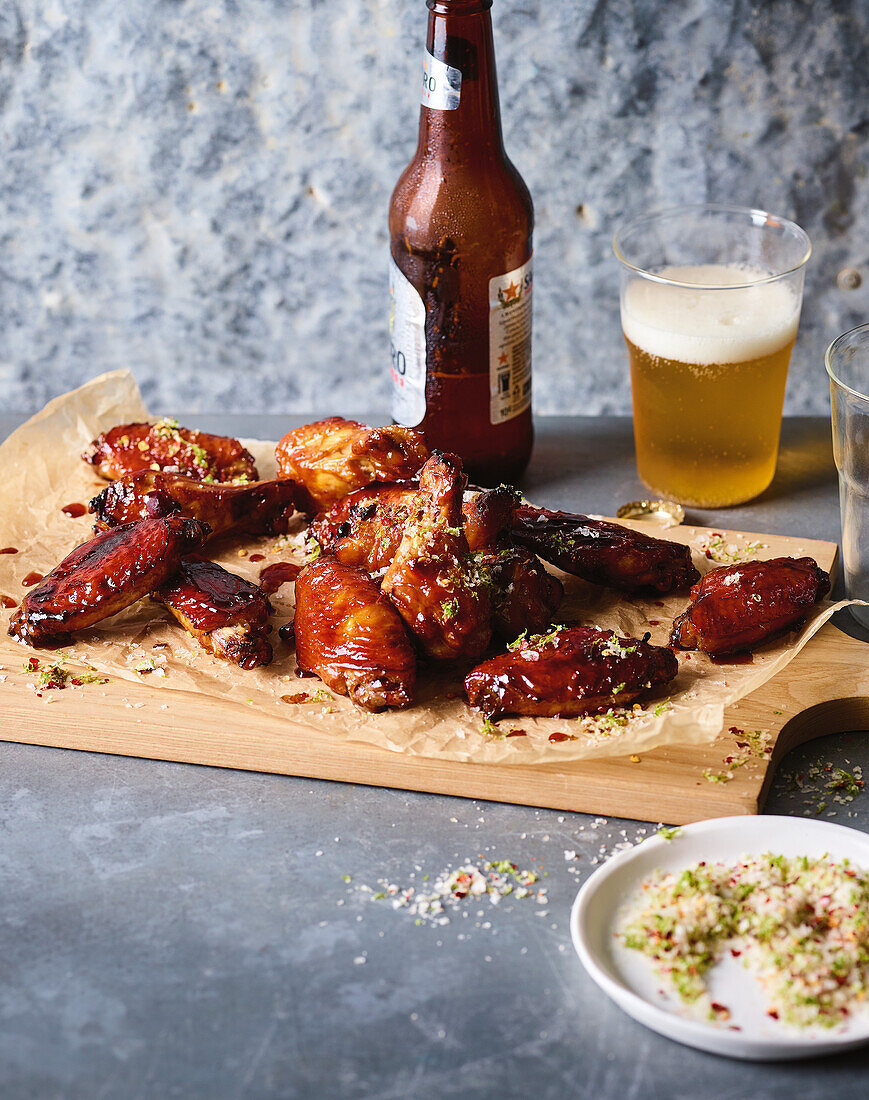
(628, 978)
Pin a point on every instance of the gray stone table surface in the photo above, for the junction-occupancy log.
(177, 931)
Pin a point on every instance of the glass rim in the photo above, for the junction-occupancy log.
(831, 352)
(719, 207)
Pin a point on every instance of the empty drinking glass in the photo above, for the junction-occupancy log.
(848, 367)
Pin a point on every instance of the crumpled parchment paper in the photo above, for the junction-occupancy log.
(41, 472)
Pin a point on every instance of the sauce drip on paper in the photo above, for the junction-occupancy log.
(273, 576)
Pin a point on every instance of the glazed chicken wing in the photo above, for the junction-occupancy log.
(103, 576)
(226, 614)
(352, 637)
(432, 579)
(330, 458)
(524, 596)
(739, 606)
(131, 448)
(256, 508)
(488, 516)
(573, 670)
(367, 526)
(604, 553)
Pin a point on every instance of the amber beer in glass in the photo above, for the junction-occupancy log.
(460, 226)
(710, 305)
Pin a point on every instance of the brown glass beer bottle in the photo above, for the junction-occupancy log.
(460, 226)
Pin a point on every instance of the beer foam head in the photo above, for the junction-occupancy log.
(706, 326)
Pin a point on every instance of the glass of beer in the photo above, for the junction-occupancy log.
(710, 303)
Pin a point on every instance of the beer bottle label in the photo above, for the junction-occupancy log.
(407, 348)
(441, 84)
(510, 343)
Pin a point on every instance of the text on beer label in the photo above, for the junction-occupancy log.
(441, 84)
(407, 348)
(510, 343)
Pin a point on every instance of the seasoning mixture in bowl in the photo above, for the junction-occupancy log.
(800, 924)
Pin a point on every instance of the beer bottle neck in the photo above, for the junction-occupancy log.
(460, 36)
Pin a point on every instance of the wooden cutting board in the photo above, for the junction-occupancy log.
(824, 690)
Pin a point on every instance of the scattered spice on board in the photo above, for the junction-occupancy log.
(293, 541)
(801, 926)
(594, 727)
(145, 665)
(496, 734)
(308, 697)
(750, 745)
(716, 549)
(54, 677)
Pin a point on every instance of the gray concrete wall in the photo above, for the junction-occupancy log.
(197, 189)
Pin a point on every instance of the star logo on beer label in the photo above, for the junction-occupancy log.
(502, 359)
(511, 292)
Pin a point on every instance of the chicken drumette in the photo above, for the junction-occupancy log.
(366, 529)
(105, 575)
(739, 606)
(433, 580)
(487, 516)
(129, 449)
(367, 526)
(524, 595)
(572, 670)
(255, 508)
(604, 553)
(352, 637)
(330, 458)
(226, 614)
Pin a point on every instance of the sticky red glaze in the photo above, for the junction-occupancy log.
(226, 614)
(103, 576)
(257, 557)
(330, 458)
(604, 553)
(273, 576)
(736, 607)
(7, 601)
(211, 597)
(131, 448)
(367, 526)
(74, 510)
(352, 637)
(432, 580)
(9, 550)
(258, 508)
(577, 671)
(556, 738)
(524, 595)
(31, 579)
